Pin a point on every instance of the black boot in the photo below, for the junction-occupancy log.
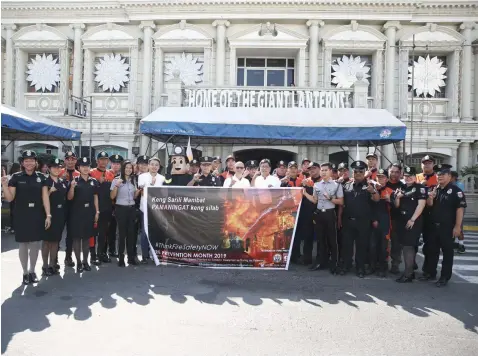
(33, 277)
(121, 261)
(69, 261)
(26, 279)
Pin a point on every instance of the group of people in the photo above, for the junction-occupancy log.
(364, 211)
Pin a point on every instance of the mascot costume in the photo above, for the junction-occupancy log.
(177, 171)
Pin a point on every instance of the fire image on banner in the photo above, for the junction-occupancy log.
(223, 227)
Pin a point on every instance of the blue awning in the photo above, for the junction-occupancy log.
(287, 126)
(23, 125)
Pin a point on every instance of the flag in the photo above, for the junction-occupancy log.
(189, 150)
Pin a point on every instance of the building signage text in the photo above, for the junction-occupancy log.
(205, 98)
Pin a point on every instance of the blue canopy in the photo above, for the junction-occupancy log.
(278, 126)
(23, 125)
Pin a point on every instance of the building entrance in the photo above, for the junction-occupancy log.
(274, 155)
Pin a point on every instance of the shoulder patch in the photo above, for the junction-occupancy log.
(449, 191)
(460, 194)
(422, 190)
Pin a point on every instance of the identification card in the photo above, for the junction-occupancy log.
(87, 205)
(31, 205)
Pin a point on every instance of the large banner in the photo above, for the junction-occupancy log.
(223, 227)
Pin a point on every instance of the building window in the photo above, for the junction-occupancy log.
(427, 76)
(43, 72)
(120, 81)
(345, 68)
(270, 72)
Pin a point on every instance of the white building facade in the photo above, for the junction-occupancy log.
(418, 58)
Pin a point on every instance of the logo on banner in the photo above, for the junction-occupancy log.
(385, 133)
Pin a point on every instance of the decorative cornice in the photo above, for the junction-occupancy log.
(392, 24)
(319, 23)
(221, 23)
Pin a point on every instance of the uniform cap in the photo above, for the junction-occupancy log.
(55, 162)
(333, 167)
(442, 168)
(142, 159)
(313, 164)
(179, 151)
(230, 157)
(70, 154)
(84, 161)
(194, 162)
(206, 159)
(360, 165)
(409, 171)
(428, 158)
(29, 154)
(281, 163)
(371, 155)
(343, 165)
(218, 158)
(292, 164)
(116, 159)
(250, 164)
(102, 154)
(382, 172)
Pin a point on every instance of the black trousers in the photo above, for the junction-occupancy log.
(125, 217)
(304, 232)
(378, 248)
(325, 226)
(440, 238)
(112, 234)
(396, 246)
(355, 230)
(103, 229)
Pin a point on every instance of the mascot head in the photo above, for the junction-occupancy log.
(179, 161)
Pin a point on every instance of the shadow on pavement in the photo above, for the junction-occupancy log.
(72, 295)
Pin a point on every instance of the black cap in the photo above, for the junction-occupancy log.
(305, 160)
(218, 158)
(343, 165)
(361, 165)
(281, 163)
(292, 164)
(265, 160)
(102, 154)
(428, 158)
(374, 155)
(206, 159)
(409, 171)
(179, 151)
(251, 164)
(333, 166)
(85, 161)
(382, 172)
(142, 159)
(29, 154)
(313, 164)
(116, 159)
(442, 168)
(194, 162)
(55, 162)
(69, 154)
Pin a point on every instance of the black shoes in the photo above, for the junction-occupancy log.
(145, 261)
(405, 279)
(441, 282)
(317, 267)
(460, 249)
(46, 272)
(26, 279)
(69, 262)
(33, 277)
(86, 266)
(426, 277)
(361, 274)
(133, 261)
(114, 254)
(79, 268)
(121, 262)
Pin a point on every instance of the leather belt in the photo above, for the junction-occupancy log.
(324, 210)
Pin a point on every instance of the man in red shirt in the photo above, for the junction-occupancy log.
(104, 178)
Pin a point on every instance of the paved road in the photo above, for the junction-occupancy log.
(184, 311)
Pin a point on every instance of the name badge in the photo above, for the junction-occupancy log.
(59, 206)
(31, 205)
(87, 205)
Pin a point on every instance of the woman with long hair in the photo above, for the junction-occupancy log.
(30, 191)
(410, 201)
(84, 213)
(124, 190)
(58, 189)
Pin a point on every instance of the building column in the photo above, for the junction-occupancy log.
(474, 153)
(390, 28)
(232, 67)
(463, 155)
(301, 68)
(159, 76)
(452, 159)
(147, 27)
(314, 51)
(220, 50)
(10, 62)
(475, 52)
(466, 29)
(77, 60)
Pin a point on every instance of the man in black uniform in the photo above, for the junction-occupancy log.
(359, 198)
(205, 178)
(447, 204)
(115, 161)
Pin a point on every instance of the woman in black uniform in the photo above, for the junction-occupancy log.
(30, 192)
(57, 190)
(84, 213)
(410, 201)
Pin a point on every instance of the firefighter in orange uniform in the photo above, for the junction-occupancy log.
(304, 170)
(104, 178)
(292, 178)
(69, 173)
(372, 162)
(429, 179)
